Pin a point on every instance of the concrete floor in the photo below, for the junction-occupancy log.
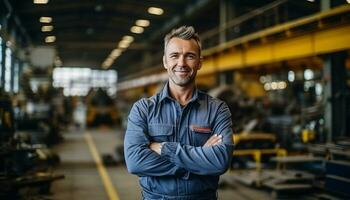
(82, 179)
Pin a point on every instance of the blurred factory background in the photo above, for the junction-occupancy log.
(71, 70)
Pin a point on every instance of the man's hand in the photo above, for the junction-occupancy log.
(156, 147)
(213, 140)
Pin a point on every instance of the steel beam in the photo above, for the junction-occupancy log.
(294, 41)
(310, 44)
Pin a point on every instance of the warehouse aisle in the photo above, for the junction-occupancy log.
(83, 180)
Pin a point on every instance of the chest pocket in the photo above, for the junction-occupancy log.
(160, 132)
(200, 134)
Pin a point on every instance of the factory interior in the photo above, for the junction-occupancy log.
(71, 70)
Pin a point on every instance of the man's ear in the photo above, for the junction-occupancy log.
(164, 63)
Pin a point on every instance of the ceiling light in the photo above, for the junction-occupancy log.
(142, 22)
(123, 44)
(115, 53)
(128, 38)
(50, 39)
(155, 11)
(45, 19)
(41, 1)
(105, 66)
(108, 62)
(310, 0)
(46, 28)
(136, 29)
(348, 1)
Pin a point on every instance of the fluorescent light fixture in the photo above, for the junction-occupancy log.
(310, 0)
(50, 39)
(136, 29)
(128, 38)
(46, 28)
(41, 1)
(45, 19)
(142, 22)
(155, 11)
(348, 1)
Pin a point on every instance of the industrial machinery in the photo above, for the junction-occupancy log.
(101, 109)
(25, 168)
(258, 147)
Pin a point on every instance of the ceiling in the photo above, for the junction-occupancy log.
(87, 31)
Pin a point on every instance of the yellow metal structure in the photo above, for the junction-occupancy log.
(257, 153)
(239, 53)
(237, 138)
(308, 135)
(263, 48)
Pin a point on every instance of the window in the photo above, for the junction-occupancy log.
(1, 49)
(8, 63)
(78, 81)
(16, 77)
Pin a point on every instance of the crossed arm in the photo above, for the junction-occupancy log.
(145, 157)
(212, 141)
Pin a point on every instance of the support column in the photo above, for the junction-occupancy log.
(325, 5)
(335, 96)
(227, 12)
(2, 64)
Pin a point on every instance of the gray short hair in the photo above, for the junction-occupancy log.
(185, 33)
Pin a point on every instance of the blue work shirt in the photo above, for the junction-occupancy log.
(185, 169)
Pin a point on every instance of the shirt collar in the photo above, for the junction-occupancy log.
(164, 94)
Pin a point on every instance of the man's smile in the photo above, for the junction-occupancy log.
(182, 71)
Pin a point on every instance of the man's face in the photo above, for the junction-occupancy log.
(182, 60)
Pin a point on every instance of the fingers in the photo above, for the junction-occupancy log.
(213, 140)
(156, 147)
(218, 141)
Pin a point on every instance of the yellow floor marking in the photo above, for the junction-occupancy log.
(112, 193)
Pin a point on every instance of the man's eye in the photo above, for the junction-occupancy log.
(191, 57)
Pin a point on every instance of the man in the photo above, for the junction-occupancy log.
(180, 140)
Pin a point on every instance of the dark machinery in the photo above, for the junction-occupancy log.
(337, 166)
(25, 169)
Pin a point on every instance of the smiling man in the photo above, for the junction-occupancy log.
(179, 141)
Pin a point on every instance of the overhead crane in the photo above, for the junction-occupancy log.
(318, 34)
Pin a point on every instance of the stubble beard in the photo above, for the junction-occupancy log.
(182, 81)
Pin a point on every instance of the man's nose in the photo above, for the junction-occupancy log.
(181, 61)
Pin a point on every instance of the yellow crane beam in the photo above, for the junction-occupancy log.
(298, 40)
(243, 52)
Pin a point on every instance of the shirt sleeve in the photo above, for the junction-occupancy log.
(140, 159)
(213, 160)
